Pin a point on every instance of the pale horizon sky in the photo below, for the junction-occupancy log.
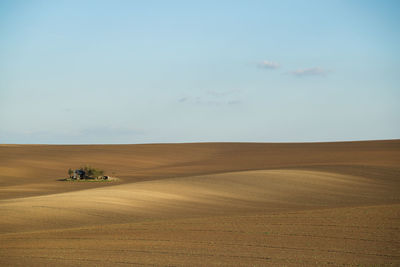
(115, 72)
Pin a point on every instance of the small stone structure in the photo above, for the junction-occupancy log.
(79, 174)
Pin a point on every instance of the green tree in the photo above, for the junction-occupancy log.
(92, 172)
(70, 172)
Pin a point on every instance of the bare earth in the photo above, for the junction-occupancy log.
(225, 204)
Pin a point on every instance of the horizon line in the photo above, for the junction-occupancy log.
(200, 142)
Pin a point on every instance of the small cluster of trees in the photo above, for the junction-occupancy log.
(92, 172)
(89, 172)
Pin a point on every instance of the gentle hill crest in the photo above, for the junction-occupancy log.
(41, 165)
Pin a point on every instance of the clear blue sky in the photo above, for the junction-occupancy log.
(76, 72)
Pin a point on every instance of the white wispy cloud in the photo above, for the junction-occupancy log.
(316, 71)
(268, 65)
(222, 93)
(213, 98)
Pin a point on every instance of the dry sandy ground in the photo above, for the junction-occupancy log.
(229, 204)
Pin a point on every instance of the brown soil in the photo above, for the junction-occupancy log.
(202, 204)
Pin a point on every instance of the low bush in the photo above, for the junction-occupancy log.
(92, 172)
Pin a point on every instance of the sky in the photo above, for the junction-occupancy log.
(115, 72)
